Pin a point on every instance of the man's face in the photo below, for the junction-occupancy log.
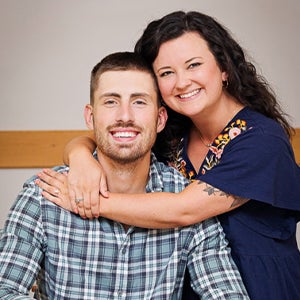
(125, 115)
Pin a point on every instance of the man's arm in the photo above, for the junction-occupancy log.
(212, 270)
(21, 246)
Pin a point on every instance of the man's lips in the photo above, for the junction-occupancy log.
(124, 134)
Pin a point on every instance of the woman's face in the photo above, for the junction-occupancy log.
(188, 76)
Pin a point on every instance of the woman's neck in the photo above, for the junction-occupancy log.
(209, 124)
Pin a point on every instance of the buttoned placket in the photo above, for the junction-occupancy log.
(124, 240)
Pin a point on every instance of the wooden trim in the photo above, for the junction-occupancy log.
(38, 149)
(296, 144)
(34, 149)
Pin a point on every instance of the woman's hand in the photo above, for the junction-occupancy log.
(86, 181)
(55, 188)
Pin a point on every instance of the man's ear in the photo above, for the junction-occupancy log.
(162, 119)
(88, 116)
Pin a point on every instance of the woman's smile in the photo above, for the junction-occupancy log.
(189, 94)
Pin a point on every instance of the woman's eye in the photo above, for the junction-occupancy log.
(194, 65)
(166, 73)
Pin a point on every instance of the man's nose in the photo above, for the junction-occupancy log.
(125, 113)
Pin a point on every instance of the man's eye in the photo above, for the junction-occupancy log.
(140, 102)
(110, 102)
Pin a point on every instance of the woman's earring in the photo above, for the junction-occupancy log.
(225, 83)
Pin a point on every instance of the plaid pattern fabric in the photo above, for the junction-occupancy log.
(96, 259)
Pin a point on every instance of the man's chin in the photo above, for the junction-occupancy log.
(127, 157)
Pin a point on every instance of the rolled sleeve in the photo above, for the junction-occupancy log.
(212, 270)
(21, 245)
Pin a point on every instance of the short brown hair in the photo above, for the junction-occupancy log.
(120, 61)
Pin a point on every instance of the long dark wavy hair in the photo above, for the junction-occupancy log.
(245, 84)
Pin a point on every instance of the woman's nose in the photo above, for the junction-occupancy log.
(182, 80)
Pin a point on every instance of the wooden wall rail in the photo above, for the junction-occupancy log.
(38, 149)
(34, 149)
(296, 145)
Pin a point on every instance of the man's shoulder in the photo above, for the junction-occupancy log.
(164, 169)
(166, 178)
(209, 228)
(60, 169)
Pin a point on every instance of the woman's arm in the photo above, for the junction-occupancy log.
(196, 203)
(84, 144)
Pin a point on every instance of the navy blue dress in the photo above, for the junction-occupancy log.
(252, 158)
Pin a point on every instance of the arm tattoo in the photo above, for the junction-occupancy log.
(237, 201)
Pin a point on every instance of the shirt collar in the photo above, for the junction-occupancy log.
(155, 183)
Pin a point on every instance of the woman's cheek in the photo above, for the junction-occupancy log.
(165, 88)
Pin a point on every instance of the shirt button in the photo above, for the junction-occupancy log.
(121, 294)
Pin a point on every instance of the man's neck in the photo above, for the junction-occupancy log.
(126, 178)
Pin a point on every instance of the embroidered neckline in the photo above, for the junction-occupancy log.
(216, 149)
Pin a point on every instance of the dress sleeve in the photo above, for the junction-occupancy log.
(260, 166)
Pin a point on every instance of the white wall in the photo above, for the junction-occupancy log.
(48, 48)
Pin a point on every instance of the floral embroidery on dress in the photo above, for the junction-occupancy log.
(216, 149)
(179, 163)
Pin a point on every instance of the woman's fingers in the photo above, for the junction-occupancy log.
(72, 196)
(85, 197)
(55, 187)
(67, 192)
(81, 207)
(76, 197)
(87, 205)
(52, 177)
(85, 182)
(53, 191)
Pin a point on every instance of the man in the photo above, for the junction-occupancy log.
(73, 258)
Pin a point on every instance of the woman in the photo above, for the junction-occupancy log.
(228, 134)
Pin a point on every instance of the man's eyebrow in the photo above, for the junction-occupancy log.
(116, 95)
(110, 94)
(134, 95)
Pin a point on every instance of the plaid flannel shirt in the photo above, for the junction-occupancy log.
(73, 258)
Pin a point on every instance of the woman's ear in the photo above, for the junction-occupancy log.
(224, 76)
(88, 116)
(162, 119)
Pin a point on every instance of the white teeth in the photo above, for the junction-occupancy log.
(189, 94)
(124, 134)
